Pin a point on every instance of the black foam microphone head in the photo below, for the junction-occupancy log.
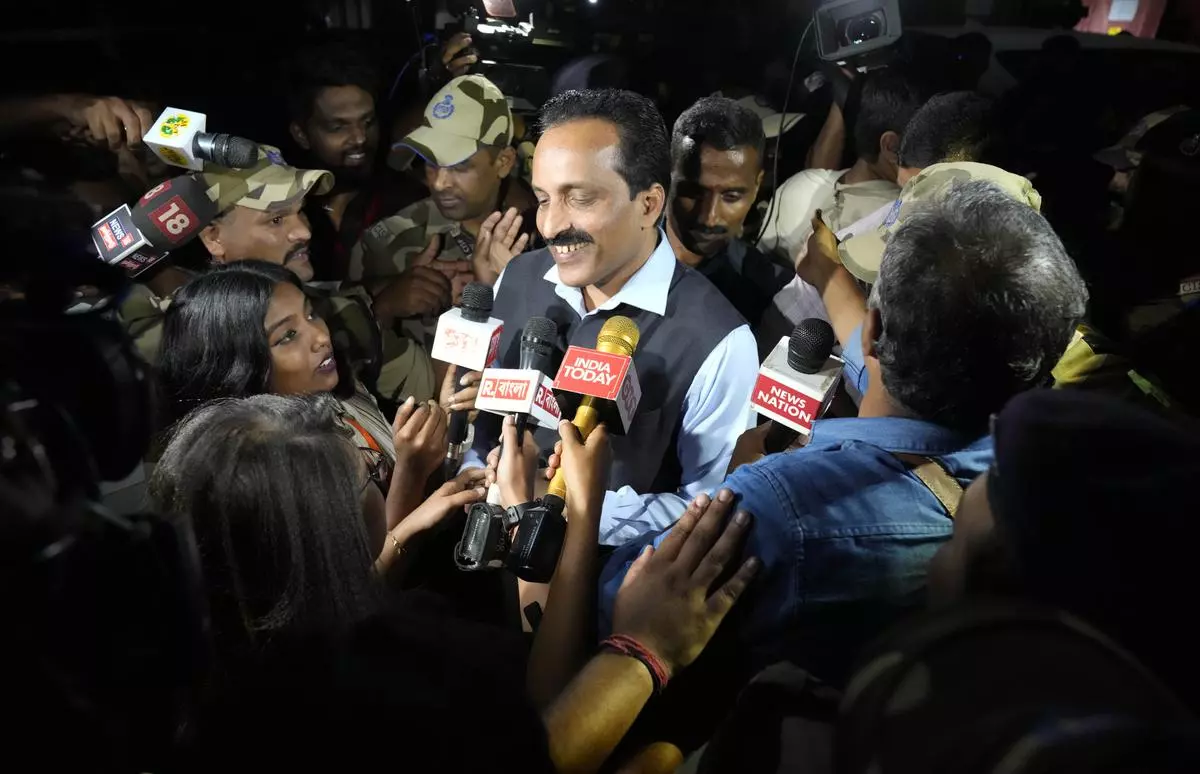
(477, 300)
(810, 345)
(537, 343)
(227, 150)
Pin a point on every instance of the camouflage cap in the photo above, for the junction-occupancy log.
(862, 253)
(268, 185)
(468, 114)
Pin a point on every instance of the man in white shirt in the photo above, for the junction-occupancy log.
(600, 175)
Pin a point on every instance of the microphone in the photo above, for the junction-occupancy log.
(526, 392)
(468, 338)
(795, 382)
(179, 139)
(601, 375)
(537, 348)
(167, 216)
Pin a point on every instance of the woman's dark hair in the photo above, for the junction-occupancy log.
(645, 154)
(268, 485)
(213, 343)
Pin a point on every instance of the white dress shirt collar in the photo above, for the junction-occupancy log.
(647, 289)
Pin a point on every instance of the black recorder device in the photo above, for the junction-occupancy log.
(525, 539)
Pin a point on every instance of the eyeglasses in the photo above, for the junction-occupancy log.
(377, 469)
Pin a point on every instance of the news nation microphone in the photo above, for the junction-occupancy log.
(467, 337)
(167, 216)
(795, 381)
(178, 138)
(607, 380)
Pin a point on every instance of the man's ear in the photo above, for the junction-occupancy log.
(889, 146)
(758, 181)
(505, 160)
(871, 331)
(210, 235)
(654, 202)
(299, 135)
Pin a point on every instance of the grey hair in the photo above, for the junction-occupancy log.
(978, 301)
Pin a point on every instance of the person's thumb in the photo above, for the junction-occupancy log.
(598, 438)
(430, 252)
(638, 566)
(508, 435)
(570, 436)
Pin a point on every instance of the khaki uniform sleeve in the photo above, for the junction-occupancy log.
(142, 314)
(386, 247)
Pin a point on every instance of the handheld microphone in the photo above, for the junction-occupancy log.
(537, 349)
(600, 375)
(525, 392)
(469, 339)
(167, 216)
(179, 139)
(795, 382)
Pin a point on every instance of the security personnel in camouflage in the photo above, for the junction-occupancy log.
(465, 142)
(259, 216)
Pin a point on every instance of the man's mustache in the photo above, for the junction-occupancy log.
(571, 236)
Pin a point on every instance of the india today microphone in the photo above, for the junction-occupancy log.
(467, 337)
(607, 380)
(179, 139)
(796, 382)
(167, 217)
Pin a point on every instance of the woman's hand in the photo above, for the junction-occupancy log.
(420, 435)
(664, 602)
(585, 467)
(462, 490)
(513, 467)
(460, 395)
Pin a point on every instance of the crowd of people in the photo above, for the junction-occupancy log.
(1003, 474)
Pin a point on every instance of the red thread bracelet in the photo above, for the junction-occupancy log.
(628, 646)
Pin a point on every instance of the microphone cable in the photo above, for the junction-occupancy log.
(787, 97)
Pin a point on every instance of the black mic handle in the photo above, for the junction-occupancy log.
(458, 419)
(522, 422)
(779, 438)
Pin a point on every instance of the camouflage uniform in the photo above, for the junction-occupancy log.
(466, 116)
(390, 364)
(862, 253)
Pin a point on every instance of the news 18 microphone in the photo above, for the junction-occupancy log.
(605, 374)
(167, 217)
(796, 381)
(468, 338)
(179, 139)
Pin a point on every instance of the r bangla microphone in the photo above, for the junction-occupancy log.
(617, 339)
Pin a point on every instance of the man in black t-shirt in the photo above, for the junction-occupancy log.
(716, 169)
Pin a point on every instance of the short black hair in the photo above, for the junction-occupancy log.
(324, 66)
(978, 300)
(949, 127)
(719, 122)
(645, 157)
(213, 345)
(888, 100)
